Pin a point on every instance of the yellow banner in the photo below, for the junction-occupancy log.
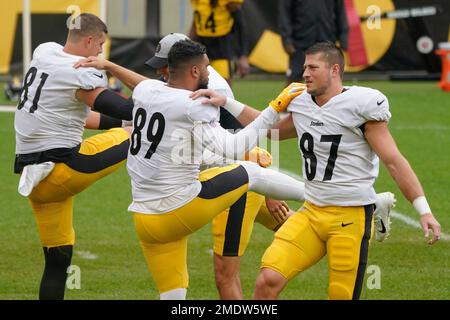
(10, 11)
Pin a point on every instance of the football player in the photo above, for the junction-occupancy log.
(342, 134)
(230, 236)
(54, 161)
(171, 197)
(213, 23)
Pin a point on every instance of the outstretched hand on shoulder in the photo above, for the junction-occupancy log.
(92, 62)
(285, 97)
(210, 97)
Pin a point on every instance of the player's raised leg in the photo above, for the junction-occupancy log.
(232, 230)
(52, 202)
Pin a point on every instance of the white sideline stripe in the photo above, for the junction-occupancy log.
(86, 255)
(394, 214)
(7, 108)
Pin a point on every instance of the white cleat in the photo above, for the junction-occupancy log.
(385, 202)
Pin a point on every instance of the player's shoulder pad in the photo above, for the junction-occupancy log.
(299, 101)
(199, 112)
(45, 49)
(218, 83)
(144, 87)
(91, 78)
(372, 104)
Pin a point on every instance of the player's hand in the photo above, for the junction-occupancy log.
(243, 66)
(211, 97)
(281, 102)
(427, 221)
(92, 62)
(278, 209)
(260, 156)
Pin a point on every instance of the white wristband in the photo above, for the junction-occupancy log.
(234, 107)
(421, 205)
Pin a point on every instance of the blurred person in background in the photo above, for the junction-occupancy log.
(215, 25)
(303, 23)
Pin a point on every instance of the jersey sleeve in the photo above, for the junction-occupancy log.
(139, 90)
(90, 78)
(203, 113)
(376, 108)
(218, 83)
(44, 50)
(213, 137)
(296, 103)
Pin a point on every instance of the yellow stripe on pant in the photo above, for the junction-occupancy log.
(52, 199)
(342, 233)
(163, 237)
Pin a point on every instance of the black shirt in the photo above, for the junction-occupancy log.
(306, 22)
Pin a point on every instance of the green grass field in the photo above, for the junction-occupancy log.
(410, 269)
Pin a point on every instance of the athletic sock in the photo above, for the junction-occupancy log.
(53, 282)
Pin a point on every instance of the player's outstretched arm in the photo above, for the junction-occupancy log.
(130, 78)
(246, 114)
(245, 139)
(285, 127)
(243, 113)
(382, 142)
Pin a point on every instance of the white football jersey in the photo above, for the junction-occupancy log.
(48, 115)
(218, 83)
(339, 166)
(170, 133)
(159, 184)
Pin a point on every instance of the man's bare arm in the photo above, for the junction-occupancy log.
(286, 129)
(88, 97)
(247, 114)
(130, 78)
(92, 120)
(382, 142)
